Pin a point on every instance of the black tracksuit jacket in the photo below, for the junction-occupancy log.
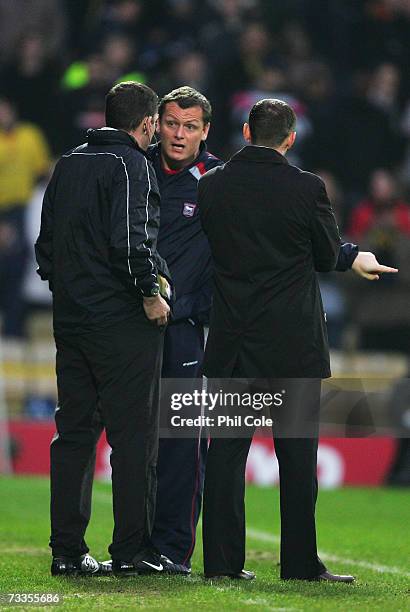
(98, 240)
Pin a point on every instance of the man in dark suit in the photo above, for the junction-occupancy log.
(271, 227)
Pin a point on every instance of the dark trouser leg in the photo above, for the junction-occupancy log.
(127, 364)
(181, 469)
(87, 488)
(181, 462)
(297, 459)
(298, 493)
(223, 522)
(72, 451)
(224, 506)
(117, 369)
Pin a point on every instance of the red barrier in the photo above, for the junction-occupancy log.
(341, 461)
(31, 445)
(350, 461)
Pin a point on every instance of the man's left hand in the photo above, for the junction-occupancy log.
(367, 266)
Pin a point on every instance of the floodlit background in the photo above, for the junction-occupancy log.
(343, 65)
(344, 68)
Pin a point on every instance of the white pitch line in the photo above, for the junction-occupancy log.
(264, 536)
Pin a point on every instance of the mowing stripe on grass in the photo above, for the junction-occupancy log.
(265, 536)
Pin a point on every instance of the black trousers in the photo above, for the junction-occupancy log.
(181, 462)
(117, 371)
(224, 495)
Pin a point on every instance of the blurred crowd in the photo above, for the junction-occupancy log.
(342, 65)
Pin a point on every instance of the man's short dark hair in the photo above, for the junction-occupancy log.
(270, 122)
(187, 97)
(126, 105)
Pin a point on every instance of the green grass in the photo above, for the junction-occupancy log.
(358, 527)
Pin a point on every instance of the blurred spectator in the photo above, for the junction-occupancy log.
(238, 75)
(190, 69)
(316, 87)
(219, 34)
(296, 45)
(122, 17)
(24, 158)
(382, 33)
(384, 93)
(31, 80)
(381, 224)
(384, 90)
(333, 298)
(364, 138)
(254, 55)
(120, 58)
(82, 103)
(85, 84)
(184, 19)
(46, 17)
(35, 292)
(336, 196)
(381, 216)
(271, 83)
(405, 127)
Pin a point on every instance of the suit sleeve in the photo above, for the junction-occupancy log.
(324, 233)
(134, 227)
(44, 243)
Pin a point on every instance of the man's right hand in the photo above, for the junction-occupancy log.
(156, 309)
(367, 266)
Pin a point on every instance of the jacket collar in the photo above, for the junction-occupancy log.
(109, 136)
(254, 153)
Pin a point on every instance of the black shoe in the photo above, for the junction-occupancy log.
(169, 567)
(243, 575)
(328, 577)
(85, 565)
(174, 568)
(150, 564)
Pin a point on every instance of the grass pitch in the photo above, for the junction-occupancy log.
(361, 531)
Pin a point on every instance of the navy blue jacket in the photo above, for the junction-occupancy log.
(181, 240)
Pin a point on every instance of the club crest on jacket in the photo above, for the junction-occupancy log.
(189, 209)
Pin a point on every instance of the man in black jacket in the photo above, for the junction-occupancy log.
(271, 228)
(98, 250)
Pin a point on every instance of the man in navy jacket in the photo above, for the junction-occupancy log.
(179, 160)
